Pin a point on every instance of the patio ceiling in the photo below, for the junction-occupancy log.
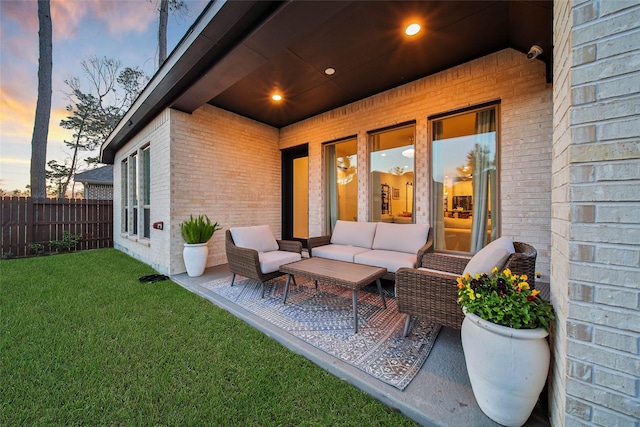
(239, 53)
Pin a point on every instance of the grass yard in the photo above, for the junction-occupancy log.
(82, 342)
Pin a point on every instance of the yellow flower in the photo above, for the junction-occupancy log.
(535, 292)
(495, 270)
(507, 272)
(471, 294)
(467, 276)
(524, 277)
(524, 285)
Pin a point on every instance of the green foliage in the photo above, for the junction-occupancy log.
(69, 241)
(506, 299)
(86, 344)
(198, 230)
(35, 248)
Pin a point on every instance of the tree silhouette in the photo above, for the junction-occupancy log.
(43, 105)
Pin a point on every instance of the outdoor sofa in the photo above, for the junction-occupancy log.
(430, 292)
(380, 244)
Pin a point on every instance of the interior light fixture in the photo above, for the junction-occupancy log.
(412, 29)
(330, 71)
(276, 97)
(408, 153)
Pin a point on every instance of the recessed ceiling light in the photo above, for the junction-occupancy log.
(277, 97)
(412, 29)
(330, 71)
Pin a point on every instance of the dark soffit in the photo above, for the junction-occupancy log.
(364, 42)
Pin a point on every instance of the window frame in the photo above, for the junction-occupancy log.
(370, 183)
(328, 177)
(496, 219)
(136, 194)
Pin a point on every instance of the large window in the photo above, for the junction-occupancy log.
(464, 157)
(391, 167)
(342, 181)
(136, 193)
(124, 172)
(146, 190)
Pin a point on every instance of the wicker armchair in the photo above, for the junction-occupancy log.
(432, 295)
(246, 262)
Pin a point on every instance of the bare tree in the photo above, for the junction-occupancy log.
(112, 91)
(43, 105)
(164, 8)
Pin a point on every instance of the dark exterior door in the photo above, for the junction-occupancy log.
(295, 193)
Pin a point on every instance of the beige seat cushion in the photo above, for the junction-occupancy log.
(406, 238)
(495, 254)
(272, 260)
(390, 260)
(353, 233)
(257, 237)
(338, 252)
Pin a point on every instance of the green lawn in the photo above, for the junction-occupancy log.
(82, 342)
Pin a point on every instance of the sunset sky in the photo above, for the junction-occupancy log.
(125, 30)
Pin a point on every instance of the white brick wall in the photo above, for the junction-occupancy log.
(153, 251)
(595, 267)
(525, 151)
(227, 167)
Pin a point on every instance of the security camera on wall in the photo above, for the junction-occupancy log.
(534, 52)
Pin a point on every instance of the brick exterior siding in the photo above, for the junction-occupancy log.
(569, 167)
(525, 134)
(596, 207)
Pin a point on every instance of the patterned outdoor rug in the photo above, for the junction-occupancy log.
(323, 317)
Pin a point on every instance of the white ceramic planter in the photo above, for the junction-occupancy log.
(507, 368)
(195, 258)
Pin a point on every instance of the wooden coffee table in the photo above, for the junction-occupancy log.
(340, 273)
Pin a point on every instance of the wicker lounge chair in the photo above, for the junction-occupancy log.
(247, 261)
(432, 295)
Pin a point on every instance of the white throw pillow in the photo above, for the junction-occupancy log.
(257, 237)
(400, 237)
(354, 233)
(495, 254)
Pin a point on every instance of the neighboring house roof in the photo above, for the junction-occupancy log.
(99, 176)
(236, 53)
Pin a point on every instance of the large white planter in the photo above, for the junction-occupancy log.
(507, 368)
(195, 258)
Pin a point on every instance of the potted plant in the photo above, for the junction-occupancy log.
(504, 341)
(196, 232)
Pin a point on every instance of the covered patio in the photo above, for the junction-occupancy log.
(439, 395)
(206, 136)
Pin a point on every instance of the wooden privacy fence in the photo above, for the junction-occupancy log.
(27, 220)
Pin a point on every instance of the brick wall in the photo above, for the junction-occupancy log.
(596, 206)
(560, 228)
(525, 151)
(227, 167)
(156, 134)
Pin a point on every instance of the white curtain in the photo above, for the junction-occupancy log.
(332, 188)
(438, 187)
(484, 179)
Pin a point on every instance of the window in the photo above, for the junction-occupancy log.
(146, 188)
(135, 188)
(342, 181)
(124, 172)
(464, 180)
(136, 193)
(391, 180)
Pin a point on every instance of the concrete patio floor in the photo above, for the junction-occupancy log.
(440, 395)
